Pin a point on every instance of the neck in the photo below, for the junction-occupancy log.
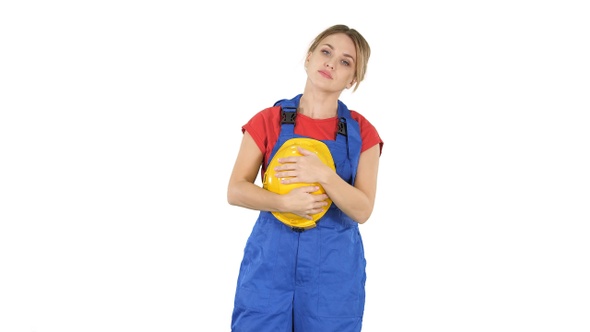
(318, 105)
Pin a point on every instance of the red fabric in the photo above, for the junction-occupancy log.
(264, 127)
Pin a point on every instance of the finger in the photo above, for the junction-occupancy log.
(306, 216)
(284, 174)
(285, 167)
(303, 151)
(310, 189)
(288, 179)
(320, 205)
(321, 197)
(286, 160)
(316, 210)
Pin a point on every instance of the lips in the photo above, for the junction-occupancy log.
(325, 74)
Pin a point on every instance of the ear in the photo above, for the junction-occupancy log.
(349, 85)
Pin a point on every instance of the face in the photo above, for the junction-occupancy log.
(331, 66)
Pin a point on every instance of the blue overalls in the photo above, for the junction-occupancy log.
(305, 280)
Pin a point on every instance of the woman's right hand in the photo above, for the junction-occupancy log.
(303, 202)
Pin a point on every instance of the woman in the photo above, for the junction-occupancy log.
(308, 278)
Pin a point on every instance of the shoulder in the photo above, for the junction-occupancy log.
(356, 115)
(361, 119)
(269, 112)
(264, 117)
(263, 127)
(369, 134)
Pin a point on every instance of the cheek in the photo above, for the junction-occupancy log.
(349, 78)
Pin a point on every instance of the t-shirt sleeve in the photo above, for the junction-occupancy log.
(369, 134)
(262, 126)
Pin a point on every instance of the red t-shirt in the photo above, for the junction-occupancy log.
(264, 127)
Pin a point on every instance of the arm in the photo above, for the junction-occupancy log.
(243, 192)
(356, 201)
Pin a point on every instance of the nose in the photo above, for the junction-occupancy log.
(329, 64)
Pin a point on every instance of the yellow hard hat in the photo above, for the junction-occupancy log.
(272, 183)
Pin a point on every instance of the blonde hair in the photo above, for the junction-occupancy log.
(363, 51)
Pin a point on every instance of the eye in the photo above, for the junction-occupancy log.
(326, 52)
(346, 63)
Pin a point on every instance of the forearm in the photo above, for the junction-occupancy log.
(352, 201)
(356, 201)
(251, 196)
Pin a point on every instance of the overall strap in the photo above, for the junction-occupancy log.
(288, 114)
(348, 129)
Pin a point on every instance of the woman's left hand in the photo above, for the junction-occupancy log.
(307, 168)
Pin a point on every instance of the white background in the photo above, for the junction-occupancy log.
(120, 122)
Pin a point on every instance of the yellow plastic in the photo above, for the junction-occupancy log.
(273, 183)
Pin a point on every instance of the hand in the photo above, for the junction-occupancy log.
(303, 202)
(307, 168)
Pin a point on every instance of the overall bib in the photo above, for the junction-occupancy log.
(305, 280)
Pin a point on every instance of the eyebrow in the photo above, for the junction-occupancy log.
(345, 54)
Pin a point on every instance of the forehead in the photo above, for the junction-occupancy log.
(341, 43)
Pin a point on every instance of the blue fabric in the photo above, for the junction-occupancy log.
(305, 281)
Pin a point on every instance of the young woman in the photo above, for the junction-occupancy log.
(304, 267)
